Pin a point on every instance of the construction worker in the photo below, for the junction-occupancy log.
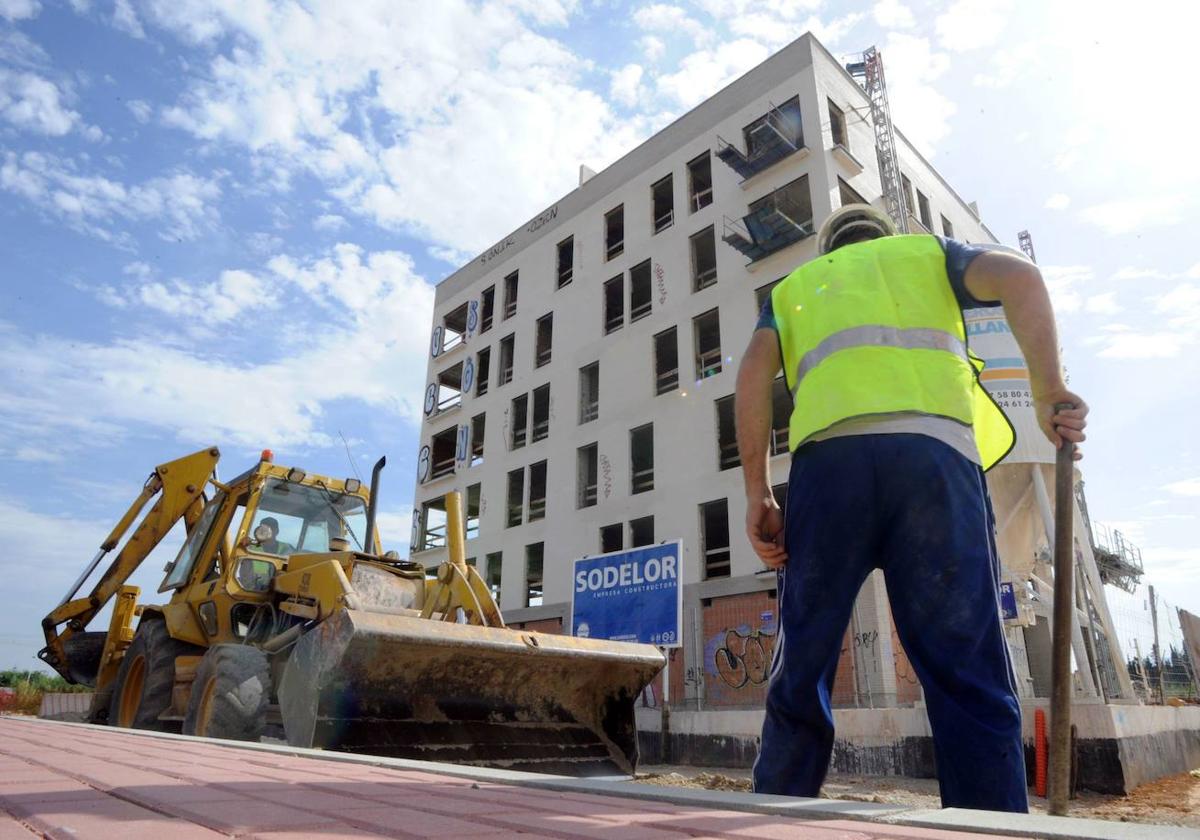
(265, 533)
(890, 433)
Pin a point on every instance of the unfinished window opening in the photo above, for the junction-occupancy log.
(662, 200)
(779, 126)
(474, 494)
(495, 563)
(507, 348)
(611, 538)
(487, 309)
(614, 304)
(483, 371)
(641, 532)
(848, 195)
(704, 258)
(837, 125)
(947, 228)
(510, 295)
(923, 208)
(779, 491)
(781, 415)
(478, 428)
(714, 538)
(537, 491)
(545, 340)
(666, 361)
(534, 555)
(727, 448)
(541, 413)
(700, 187)
(763, 293)
(614, 232)
(433, 524)
(450, 388)
(519, 421)
(907, 189)
(566, 261)
(706, 329)
(641, 458)
(586, 475)
(515, 512)
(589, 392)
(454, 330)
(442, 448)
(640, 291)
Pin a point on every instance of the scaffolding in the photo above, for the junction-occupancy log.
(1026, 243)
(868, 71)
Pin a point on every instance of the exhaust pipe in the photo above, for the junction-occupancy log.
(369, 546)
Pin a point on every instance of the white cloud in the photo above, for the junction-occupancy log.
(671, 20)
(652, 47)
(329, 222)
(181, 204)
(704, 72)
(140, 109)
(892, 14)
(1063, 282)
(34, 103)
(19, 9)
(451, 256)
(125, 19)
(971, 24)
(1130, 272)
(1193, 272)
(1102, 304)
(1058, 201)
(1134, 345)
(234, 293)
(626, 85)
(1187, 487)
(913, 69)
(1128, 215)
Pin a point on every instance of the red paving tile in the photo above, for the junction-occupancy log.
(62, 781)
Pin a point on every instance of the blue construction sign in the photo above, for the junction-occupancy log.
(1008, 601)
(630, 596)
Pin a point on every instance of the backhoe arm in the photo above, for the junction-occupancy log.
(179, 485)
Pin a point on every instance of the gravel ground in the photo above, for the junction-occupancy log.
(1173, 800)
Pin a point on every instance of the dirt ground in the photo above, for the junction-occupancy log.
(1174, 800)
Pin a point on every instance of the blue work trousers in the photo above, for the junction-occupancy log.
(917, 509)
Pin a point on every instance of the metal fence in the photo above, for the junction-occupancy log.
(1152, 643)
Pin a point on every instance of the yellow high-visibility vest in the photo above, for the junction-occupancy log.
(874, 328)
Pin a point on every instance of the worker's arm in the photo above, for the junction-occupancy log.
(1019, 287)
(764, 520)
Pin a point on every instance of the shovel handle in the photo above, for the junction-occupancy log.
(1064, 588)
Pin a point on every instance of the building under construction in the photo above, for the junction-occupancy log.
(580, 396)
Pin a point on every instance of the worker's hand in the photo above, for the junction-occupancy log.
(764, 528)
(1067, 424)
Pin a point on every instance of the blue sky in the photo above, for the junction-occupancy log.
(221, 222)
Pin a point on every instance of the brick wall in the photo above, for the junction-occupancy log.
(542, 625)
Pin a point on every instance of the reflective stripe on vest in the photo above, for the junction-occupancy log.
(877, 335)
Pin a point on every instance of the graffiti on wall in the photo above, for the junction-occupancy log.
(743, 657)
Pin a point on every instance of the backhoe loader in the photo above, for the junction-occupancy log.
(284, 610)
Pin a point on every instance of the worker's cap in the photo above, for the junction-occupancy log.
(853, 220)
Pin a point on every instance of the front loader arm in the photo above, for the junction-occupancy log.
(179, 485)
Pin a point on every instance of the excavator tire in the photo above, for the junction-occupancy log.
(230, 695)
(142, 689)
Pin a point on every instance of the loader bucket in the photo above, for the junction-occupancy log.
(405, 686)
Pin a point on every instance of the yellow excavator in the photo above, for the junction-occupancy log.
(283, 609)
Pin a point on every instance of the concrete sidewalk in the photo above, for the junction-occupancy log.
(68, 780)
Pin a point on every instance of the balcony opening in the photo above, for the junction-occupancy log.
(611, 538)
(442, 448)
(454, 328)
(727, 446)
(640, 291)
(714, 538)
(483, 371)
(586, 475)
(495, 564)
(545, 340)
(848, 195)
(589, 392)
(474, 493)
(662, 200)
(478, 428)
(704, 258)
(837, 125)
(507, 348)
(566, 261)
(433, 525)
(641, 532)
(534, 556)
(641, 458)
(450, 388)
(666, 361)
(614, 304)
(700, 185)
(519, 421)
(537, 491)
(541, 413)
(487, 309)
(773, 222)
(510, 295)
(614, 232)
(947, 228)
(706, 330)
(515, 512)
(768, 140)
(781, 415)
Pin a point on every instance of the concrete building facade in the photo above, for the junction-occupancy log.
(581, 370)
